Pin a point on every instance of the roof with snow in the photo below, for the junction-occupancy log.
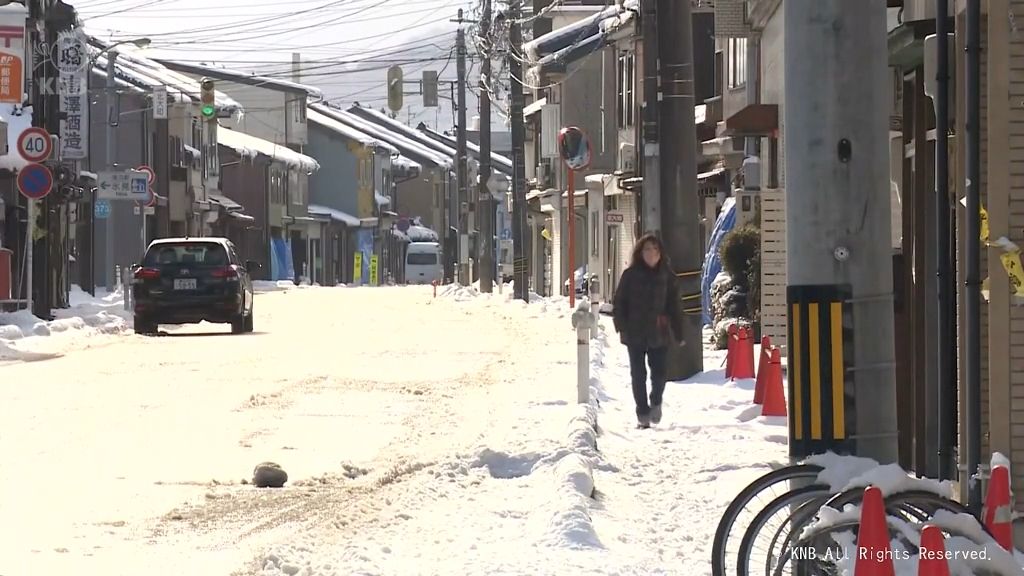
(499, 163)
(376, 118)
(408, 147)
(143, 74)
(554, 51)
(347, 131)
(250, 146)
(227, 74)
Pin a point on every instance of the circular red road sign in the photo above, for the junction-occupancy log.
(150, 174)
(34, 144)
(35, 181)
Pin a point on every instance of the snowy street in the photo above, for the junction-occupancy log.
(439, 433)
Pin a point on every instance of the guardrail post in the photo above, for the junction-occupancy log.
(583, 322)
(126, 285)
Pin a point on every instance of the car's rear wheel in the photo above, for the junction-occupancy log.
(144, 326)
(248, 321)
(238, 323)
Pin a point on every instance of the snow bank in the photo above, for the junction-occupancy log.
(26, 337)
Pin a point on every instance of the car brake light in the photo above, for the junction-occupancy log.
(147, 274)
(225, 272)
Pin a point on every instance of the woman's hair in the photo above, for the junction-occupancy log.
(638, 251)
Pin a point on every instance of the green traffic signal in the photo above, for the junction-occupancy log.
(209, 111)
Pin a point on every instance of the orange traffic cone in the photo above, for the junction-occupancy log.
(762, 369)
(933, 550)
(743, 367)
(874, 557)
(998, 515)
(774, 395)
(730, 355)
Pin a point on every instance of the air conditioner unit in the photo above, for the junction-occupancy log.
(627, 158)
(543, 174)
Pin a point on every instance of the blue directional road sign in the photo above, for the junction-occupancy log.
(101, 209)
(35, 181)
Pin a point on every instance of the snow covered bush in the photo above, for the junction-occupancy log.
(735, 294)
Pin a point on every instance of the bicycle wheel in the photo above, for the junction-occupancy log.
(804, 473)
(750, 564)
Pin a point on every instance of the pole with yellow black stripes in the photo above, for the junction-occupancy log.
(841, 349)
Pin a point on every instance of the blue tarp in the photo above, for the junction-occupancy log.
(712, 266)
(281, 266)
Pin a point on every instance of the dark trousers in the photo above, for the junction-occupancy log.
(656, 360)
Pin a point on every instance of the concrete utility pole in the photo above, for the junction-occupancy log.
(651, 194)
(838, 226)
(112, 122)
(520, 273)
(679, 203)
(487, 213)
(972, 296)
(460, 151)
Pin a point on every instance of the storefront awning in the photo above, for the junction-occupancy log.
(241, 217)
(754, 120)
(225, 202)
(336, 215)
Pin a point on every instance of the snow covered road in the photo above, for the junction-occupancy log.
(129, 458)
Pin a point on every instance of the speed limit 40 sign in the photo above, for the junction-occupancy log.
(34, 144)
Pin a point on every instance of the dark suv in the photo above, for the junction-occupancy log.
(189, 280)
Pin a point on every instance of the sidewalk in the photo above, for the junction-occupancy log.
(675, 479)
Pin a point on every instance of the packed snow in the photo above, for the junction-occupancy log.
(420, 434)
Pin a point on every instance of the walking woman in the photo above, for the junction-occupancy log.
(648, 318)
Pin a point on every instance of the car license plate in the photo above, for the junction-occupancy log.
(185, 284)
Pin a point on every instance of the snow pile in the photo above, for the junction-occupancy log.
(26, 337)
(18, 119)
(843, 473)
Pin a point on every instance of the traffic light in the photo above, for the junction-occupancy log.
(395, 88)
(208, 99)
(429, 88)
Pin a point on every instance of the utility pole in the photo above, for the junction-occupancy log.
(972, 296)
(679, 203)
(487, 214)
(460, 151)
(651, 193)
(516, 105)
(945, 313)
(112, 122)
(838, 229)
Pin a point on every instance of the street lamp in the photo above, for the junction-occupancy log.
(113, 118)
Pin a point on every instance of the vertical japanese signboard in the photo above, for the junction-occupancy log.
(73, 65)
(12, 58)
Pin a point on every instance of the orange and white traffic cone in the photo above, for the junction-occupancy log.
(774, 393)
(998, 512)
(730, 355)
(931, 559)
(762, 369)
(874, 556)
(743, 367)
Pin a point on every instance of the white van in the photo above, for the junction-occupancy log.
(423, 263)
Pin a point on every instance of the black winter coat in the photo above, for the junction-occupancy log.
(646, 311)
